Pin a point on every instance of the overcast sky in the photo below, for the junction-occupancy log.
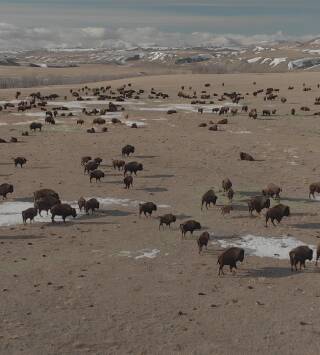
(216, 17)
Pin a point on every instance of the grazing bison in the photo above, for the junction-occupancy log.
(272, 190)
(118, 164)
(300, 255)
(81, 203)
(147, 208)
(167, 219)
(203, 241)
(230, 257)
(96, 174)
(246, 156)
(208, 198)
(13, 140)
(189, 226)
(5, 189)
(128, 181)
(127, 150)
(226, 184)
(92, 204)
(20, 161)
(46, 203)
(258, 203)
(29, 213)
(314, 187)
(35, 125)
(80, 121)
(277, 213)
(132, 167)
(90, 166)
(64, 210)
(44, 193)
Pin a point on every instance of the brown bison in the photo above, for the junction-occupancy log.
(277, 213)
(272, 190)
(64, 210)
(92, 204)
(96, 174)
(246, 156)
(314, 187)
(91, 166)
(226, 209)
(167, 219)
(118, 164)
(128, 181)
(147, 208)
(189, 226)
(132, 167)
(208, 198)
(20, 161)
(300, 255)
(44, 193)
(258, 203)
(127, 150)
(29, 213)
(5, 189)
(226, 184)
(230, 257)
(81, 203)
(203, 240)
(46, 203)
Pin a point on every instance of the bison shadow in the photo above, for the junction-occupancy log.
(272, 272)
(159, 176)
(153, 189)
(306, 225)
(20, 237)
(146, 156)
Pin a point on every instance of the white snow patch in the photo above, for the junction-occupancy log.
(144, 253)
(264, 247)
(276, 61)
(253, 60)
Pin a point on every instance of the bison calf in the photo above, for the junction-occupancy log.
(167, 219)
(203, 241)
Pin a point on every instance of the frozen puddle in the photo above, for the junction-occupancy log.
(10, 212)
(240, 132)
(264, 247)
(140, 254)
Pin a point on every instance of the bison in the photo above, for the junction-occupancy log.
(203, 240)
(132, 167)
(230, 257)
(29, 213)
(300, 255)
(44, 193)
(96, 174)
(246, 156)
(81, 203)
(46, 203)
(277, 213)
(147, 208)
(35, 125)
(128, 181)
(314, 187)
(127, 150)
(118, 164)
(272, 190)
(167, 219)
(258, 203)
(92, 204)
(226, 184)
(189, 226)
(5, 189)
(64, 210)
(20, 161)
(90, 166)
(208, 198)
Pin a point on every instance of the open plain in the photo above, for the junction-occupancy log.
(112, 282)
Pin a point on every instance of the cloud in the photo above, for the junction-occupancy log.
(14, 37)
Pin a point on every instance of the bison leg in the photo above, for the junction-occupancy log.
(52, 218)
(267, 219)
(272, 220)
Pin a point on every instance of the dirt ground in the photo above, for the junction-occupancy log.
(80, 288)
